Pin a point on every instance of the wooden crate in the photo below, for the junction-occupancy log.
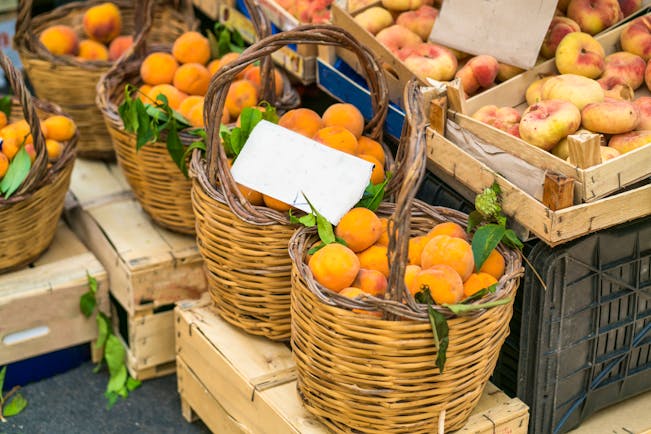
(150, 268)
(39, 305)
(211, 7)
(238, 383)
(300, 64)
(590, 184)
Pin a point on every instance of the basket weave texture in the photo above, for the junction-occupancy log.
(158, 184)
(360, 373)
(245, 247)
(28, 219)
(71, 83)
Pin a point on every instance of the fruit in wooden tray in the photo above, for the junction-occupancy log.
(92, 50)
(615, 87)
(374, 19)
(428, 60)
(399, 40)
(533, 93)
(558, 29)
(505, 72)
(608, 153)
(546, 123)
(402, 5)
(561, 6)
(119, 46)
(636, 37)
(630, 141)
(579, 53)
(562, 149)
(191, 47)
(627, 66)
(479, 72)
(593, 16)
(60, 40)
(629, 6)
(419, 21)
(643, 105)
(576, 89)
(610, 116)
(503, 118)
(103, 22)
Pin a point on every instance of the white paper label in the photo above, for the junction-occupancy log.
(285, 165)
(512, 31)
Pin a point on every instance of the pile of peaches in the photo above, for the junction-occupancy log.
(593, 92)
(440, 261)
(308, 11)
(102, 26)
(183, 76)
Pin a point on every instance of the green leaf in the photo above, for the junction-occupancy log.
(479, 294)
(249, 118)
(103, 329)
(97, 367)
(324, 227)
(111, 398)
(16, 173)
(87, 303)
(3, 372)
(316, 248)
(145, 133)
(92, 283)
(484, 242)
(5, 105)
(308, 220)
(374, 194)
(512, 240)
(114, 354)
(15, 406)
(118, 380)
(474, 219)
(441, 339)
(194, 145)
(424, 296)
(175, 147)
(132, 384)
(236, 141)
(214, 45)
(269, 114)
(462, 308)
(238, 41)
(224, 42)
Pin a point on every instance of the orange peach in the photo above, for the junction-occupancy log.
(60, 40)
(478, 72)
(302, 120)
(443, 282)
(338, 138)
(119, 46)
(103, 22)
(241, 94)
(191, 47)
(192, 78)
(344, 115)
(371, 282)
(158, 68)
(411, 271)
(92, 50)
(173, 95)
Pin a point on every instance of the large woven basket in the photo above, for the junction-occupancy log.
(359, 373)
(28, 219)
(245, 247)
(160, 187)
(71, 83)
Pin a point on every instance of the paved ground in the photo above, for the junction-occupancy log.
(73, 403)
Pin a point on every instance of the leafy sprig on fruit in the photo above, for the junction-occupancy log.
(11, 403)
(223, 40)
(120, 381)
(234, 138)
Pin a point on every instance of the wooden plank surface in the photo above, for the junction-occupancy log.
(94, 182)
(39, 305)
(247, 383)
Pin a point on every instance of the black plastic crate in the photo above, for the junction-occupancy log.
(585, 341)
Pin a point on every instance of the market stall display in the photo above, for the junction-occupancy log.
(66, 75)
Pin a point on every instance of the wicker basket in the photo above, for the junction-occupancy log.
(70, 82)
(160, 187)
(359, 373)
(28, 219)
(245, 247)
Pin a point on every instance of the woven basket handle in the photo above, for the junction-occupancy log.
(217, 165)
(24, 19)
(17, 84)
(399, 229)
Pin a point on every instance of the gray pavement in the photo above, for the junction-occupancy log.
(73, 403)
